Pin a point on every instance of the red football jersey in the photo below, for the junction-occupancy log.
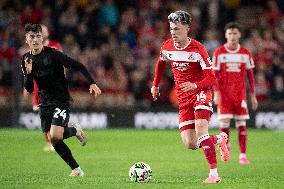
(191, 63)
(231, 67)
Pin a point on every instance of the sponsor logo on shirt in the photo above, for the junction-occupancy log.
(181, 66)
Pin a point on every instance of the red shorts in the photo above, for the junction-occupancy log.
(229, 108)
(189, 109)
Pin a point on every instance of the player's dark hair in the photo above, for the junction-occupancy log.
(180, 16)
(33, 28)
(232, 25)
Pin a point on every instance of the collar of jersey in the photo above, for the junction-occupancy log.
(185, 45)
(232, 51)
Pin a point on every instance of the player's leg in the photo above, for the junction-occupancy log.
(48, 146)
(189, 138)
(224, 126)
(206, 143)
(58, 133)
(241, 117)
(242, 138)
(186, 125)
(225, 114)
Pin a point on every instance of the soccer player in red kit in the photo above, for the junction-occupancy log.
(194, 79)
(232, 62)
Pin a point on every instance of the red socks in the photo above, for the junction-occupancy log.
(213, 138)
(209, 151)
(242, 134)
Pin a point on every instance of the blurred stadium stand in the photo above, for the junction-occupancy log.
(119, 42)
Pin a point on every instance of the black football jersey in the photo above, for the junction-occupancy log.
(48, 72)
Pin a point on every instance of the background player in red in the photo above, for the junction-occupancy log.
(194, 79)
(56, 45)
(231, 63)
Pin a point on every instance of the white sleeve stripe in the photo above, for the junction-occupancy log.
(203, 63)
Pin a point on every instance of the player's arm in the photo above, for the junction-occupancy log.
(250, 76)
(216, 68)
(26, 65)
(159, 71)
(70, 63)
(209, 79)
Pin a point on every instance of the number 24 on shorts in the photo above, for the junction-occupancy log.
(59, 112)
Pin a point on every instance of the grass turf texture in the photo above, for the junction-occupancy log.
(109, 154)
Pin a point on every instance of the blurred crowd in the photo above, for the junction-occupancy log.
(119, 41)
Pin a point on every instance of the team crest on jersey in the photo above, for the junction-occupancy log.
(191, 57)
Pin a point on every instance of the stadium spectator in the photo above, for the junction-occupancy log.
(232, 62)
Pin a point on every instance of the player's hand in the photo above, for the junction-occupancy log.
(94, 88)
(254, 102)
(155, 92)
(28, 65)
(187, 86)
(216, 98)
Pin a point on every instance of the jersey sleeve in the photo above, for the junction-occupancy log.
(160, 67)
(206, 65)
(70, 63)
(250, 62)
(204, 59)
(216, 62)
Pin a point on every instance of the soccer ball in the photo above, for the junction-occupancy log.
(140, 172)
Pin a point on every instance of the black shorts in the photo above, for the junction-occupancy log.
(55, 115)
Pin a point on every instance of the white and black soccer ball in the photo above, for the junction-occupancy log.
(140, 172)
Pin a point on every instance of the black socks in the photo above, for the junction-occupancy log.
(64, 152)
(69, 132)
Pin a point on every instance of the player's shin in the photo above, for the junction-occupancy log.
(208, 147)
(64, 152)
(242, 136)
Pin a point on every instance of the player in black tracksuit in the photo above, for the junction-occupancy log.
(46, 66)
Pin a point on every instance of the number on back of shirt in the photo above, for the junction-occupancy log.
(59, 112)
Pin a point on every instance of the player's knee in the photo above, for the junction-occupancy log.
(55, 139)
(224, 124)
(240, 123)
(201, 127)
(190, 145)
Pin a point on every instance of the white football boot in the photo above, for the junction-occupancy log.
(77, 172)
(81, 136)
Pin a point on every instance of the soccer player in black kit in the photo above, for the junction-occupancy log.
(46, 66)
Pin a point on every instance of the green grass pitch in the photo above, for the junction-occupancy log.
(110, 153)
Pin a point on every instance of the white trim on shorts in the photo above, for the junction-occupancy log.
(203, 107)
(230, 116)
(185, 123)
(242, 117)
